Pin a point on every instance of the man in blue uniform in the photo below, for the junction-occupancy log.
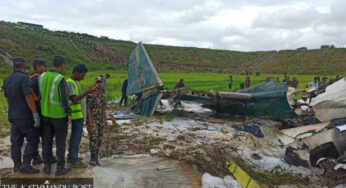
(23, 116)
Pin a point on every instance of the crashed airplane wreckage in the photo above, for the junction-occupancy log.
(265, 100)
(323, 142)
(268, 100)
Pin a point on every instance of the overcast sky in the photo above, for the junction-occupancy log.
(243, 25)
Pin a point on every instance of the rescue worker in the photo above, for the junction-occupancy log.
(294, 83)
(230, 84)
(56, 113)
(40, 66)
(313, 84)
(287, 80)
(247, 82)
(123, 93)
(304, 103)
(323, 85)
(96, 119)
(331, 81)
(23, 116)
(78, 106)
(105, 81)
(180, 84)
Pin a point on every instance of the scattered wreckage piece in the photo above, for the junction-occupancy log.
(244, 179)
(268, 99)
(297, 157)
(308, 144)
(335, 171)
(144, 82)
(329, 143)
(288, 136)
(332, 103)
(186, 94)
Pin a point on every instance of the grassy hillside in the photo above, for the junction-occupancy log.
(112, 55)
(28, 43)
(321, 61)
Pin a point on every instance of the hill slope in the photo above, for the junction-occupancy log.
(321, 61)
(105, 54)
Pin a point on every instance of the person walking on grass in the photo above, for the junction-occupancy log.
(247, 82)
(56, 113)
(78, 106)
(123, 93)
(96, 119)
(40, 66)
(230, 84)
(107, 76)
(23, 116)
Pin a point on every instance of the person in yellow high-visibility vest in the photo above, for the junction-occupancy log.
(78, 106)
(56, 114)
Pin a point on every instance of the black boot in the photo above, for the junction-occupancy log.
(47, 168)
(26, 166)
(37, 160)
(17, 165)
(97, 159)
(93, 159)
(61, 171)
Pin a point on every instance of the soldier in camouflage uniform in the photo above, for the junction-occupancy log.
(96, 119)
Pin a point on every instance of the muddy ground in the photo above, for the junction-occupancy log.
(176, 147)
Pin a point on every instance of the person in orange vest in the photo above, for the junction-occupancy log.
(40, 66)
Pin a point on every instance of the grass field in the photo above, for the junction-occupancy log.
(198, 81)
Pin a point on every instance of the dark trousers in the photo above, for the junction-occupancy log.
(23, 129)
(58, 128)
(75, 138)
(40, 128)
(40, 132)
(123, 98)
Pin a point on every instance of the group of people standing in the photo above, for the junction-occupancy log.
(44, 105)
(243, 85)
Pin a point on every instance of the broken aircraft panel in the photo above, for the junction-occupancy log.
(332, 103)
(143, 81)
